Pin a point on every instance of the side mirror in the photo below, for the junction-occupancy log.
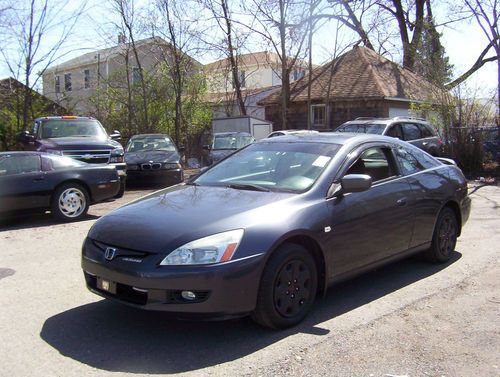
(116, 135)
(25, 137)
(355, 183)
(181, 149)
(206, 147)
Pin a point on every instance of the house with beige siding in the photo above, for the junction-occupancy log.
(260, 75)
(74, 82)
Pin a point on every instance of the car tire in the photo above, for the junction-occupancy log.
(70, 202)
(287, 288)
(121, 191)
(444, 238)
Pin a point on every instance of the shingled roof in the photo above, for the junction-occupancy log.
(253, 58)
(359, 74)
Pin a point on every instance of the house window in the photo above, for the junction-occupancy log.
(136, 75)
(318, 115)
(86, 78)
(298, 74)
(57, 85)
(67, 82)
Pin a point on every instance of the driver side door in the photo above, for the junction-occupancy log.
(375, 224)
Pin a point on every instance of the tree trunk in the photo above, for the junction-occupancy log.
(232, 59)
(285, 78)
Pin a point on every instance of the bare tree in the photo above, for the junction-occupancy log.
(39, 30)
(230, 47)
(283, 25)
(487, 14)
(127, 12)
(180, 34)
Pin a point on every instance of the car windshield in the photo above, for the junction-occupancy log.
(151, 143)
(288, 167)
(61, 162)
(370, 128)
(232, 141)
(54, 128)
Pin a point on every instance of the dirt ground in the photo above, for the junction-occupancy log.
(406, 319)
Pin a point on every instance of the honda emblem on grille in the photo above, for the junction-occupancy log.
(109, 253)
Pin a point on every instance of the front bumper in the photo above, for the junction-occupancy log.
(105, 190)
(170, 176)
(223, 290)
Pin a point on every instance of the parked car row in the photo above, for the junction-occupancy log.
(154, 157)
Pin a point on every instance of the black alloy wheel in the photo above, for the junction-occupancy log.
(444, 238)
(288, 287)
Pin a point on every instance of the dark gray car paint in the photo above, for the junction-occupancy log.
(352, 231)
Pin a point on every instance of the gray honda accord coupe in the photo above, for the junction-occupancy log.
(267, 230)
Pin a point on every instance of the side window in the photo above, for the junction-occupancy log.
(426, 132)
(395, 131)
(19, 164)
(409, 163)
(375, 162)
(34, 128)
(423, 158)
(6, 166)
(411, 132)
(28, 164)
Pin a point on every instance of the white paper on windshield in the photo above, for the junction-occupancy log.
(321, 161)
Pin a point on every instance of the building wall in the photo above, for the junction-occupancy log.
(104, 72)
(337, 113)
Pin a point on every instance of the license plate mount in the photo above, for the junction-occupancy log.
(106, 285)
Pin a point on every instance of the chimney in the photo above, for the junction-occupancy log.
(121, 39)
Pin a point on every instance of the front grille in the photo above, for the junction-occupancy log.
(151, 166)
(91, 156)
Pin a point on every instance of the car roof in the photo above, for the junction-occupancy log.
(385, 121)
(331, 137)
(235, 133)
(20, 153)
(65, 117)
(150, 135)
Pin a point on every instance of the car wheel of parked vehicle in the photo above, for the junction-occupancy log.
(287, 288)
(444, 238)
(70, 202)
(120, 192)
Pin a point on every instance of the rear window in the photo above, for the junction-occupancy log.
(370, 128)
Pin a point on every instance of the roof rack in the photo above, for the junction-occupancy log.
(410, 117)
(365, 118)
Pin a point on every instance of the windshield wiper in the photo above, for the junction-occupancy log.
(247, 186)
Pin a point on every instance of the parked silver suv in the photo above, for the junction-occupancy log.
(416, 131)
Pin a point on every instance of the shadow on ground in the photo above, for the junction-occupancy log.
(26, 221)
(117, 338)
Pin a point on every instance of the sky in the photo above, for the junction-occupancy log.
(463, 43)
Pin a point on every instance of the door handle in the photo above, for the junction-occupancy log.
(401, 202)
(425, 143)
(38, 179)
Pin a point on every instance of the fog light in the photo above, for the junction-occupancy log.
(188, 295)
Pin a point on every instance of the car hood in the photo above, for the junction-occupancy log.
(151, 156)
(78, 143)
(169, 218)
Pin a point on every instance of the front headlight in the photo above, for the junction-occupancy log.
(217, 248)
(54, 151)
(168, 165)
(117, 155)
